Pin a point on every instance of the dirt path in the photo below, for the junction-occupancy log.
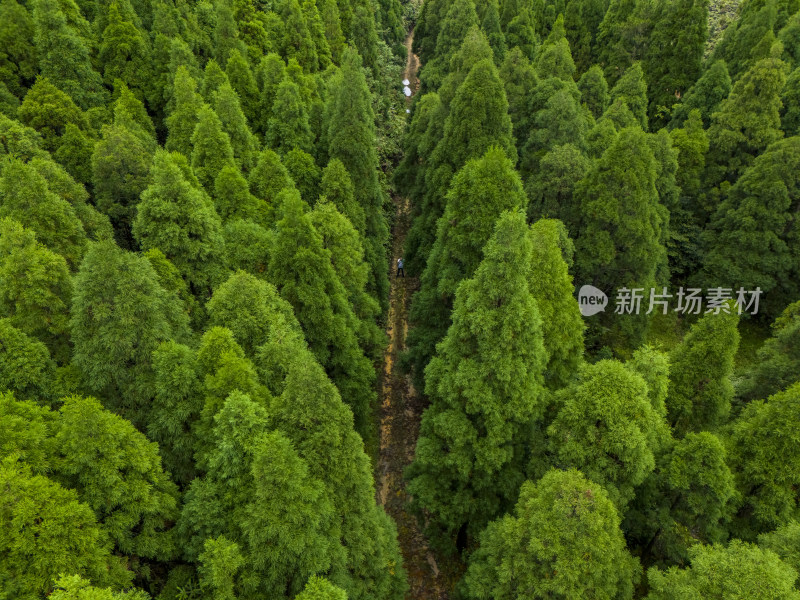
(401, 409)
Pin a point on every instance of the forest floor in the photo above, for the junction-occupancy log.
(401, 411)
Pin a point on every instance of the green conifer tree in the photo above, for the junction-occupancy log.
(486, 387)
(351, 138)
(711, 88)
(632, 89)
(183, 118)
(48, 110)
(120, 314)
(211, 148)
(563, 541)
(234, 123)
(288, 127)
(124, 51)
(64, 56)
(244, 82)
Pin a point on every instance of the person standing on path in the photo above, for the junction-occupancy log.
(400, 271)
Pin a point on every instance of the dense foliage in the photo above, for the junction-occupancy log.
(194, 280)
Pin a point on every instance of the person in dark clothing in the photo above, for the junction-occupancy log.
(400, 271)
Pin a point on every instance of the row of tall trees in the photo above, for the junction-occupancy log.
(561, 144)
(193, 274)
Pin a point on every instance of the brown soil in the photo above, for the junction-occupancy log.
(401, 410)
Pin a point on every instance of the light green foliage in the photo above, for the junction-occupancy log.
(347, 257)
(247, 246)
(251, 309)
(479, 193)
(49, 111)
(243, 81)
(26, 198)
(26, 429)
(764, 460)
(700, 390)
(305, 173)
(318, 588)
(232, 198)
(120, 314)
(47, 532)
(213, 79)
(300, 267)
(519, 79)
(607, 428)
(720, 573)
(25, 365)
(551, 286)
(778, 364)
(77, 588)
(351, 138)
(486, 388)
(785, 542)
(219, 563)
(269, 75)
(563, 541)
(180, 220)
(116, 471)
(35, 285)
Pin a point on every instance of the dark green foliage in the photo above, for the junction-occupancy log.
(304, 172)
(674, 54)
(183, 117)
(594, 91)
(581, 21)
(631, 88)
(63, 55)
(267, 180)
(778, 364)
(26, 198)
(712, 88)
(764, 460)
(519, 80)
(121, 167)
(124, 52)
(554, 58)
(232, 197)
(490, 24)
(243, 143)
(552, 188)
(180, 220)
(607, 428)
(790, 98)
(486, 388)
(746, 122)
(300, 267)
(563, 541)
(351, 138)
(18, 62)
(211, 148)
(738, 571)
(521, 33)
(243, 81)
(337, 186)
(620, 237)
(288, 126)
(120, 314)
(752, 239)
(479, 193)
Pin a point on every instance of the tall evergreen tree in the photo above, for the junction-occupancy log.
(521, 33)
(120, 314)
(243, 81)
(594, 90)
(750, 238)
(563, 541)
(300, 267)
(48, 110)
(211, 148)
(243, 143)
(351, 138)
(486, 387)
(125, 51)
(713, 86)
(480, 192)
(64, 57)
(554, 58)
(288, 126)
(182, 120)
(582, 19)
(607, 428)
(620, 237)
(632, 89)
(180, 220)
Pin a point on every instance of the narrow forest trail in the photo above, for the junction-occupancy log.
(401, 409)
